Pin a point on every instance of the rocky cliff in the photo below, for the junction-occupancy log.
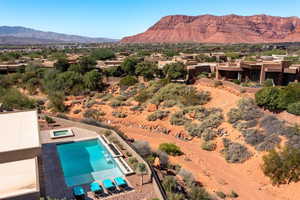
(220, 29)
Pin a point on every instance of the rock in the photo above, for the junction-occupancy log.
(151, 107)
(220, 29)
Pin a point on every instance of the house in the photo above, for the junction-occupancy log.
(19, 150)
(279, 71)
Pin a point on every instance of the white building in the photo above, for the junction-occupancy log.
(19, 149)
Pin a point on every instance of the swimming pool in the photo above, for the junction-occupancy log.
(86, 161)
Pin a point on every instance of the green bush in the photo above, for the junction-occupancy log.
(119, 114)
(128, 81)
(221, 194)
(294, 108)
(268, 97)
(13, 99)
(179, 119)
(170, 149)
(208, 146)
(159, 114)
(282, 167)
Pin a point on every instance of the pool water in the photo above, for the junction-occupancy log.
(60, 133)
(86, 161)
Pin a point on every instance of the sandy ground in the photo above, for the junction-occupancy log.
(210, 168)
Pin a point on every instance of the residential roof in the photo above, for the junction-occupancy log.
(19, 130)
(17, 178)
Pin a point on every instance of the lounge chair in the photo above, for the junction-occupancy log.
(109, 186)
(96, 189)
(78, 193)
(121, 183)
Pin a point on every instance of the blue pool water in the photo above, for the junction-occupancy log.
(86, 161)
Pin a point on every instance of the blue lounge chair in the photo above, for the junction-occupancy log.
(78, 192)
(96, 189)
(109, 185)
(121, 183)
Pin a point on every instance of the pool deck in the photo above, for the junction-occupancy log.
(52, 180)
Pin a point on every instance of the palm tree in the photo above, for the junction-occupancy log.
(141, 169)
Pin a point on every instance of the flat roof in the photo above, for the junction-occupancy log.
(19, 177)
(19, 130)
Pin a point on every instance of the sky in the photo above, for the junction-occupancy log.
(119, 18)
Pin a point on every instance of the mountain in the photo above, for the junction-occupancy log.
(220, 29)
(22, 35)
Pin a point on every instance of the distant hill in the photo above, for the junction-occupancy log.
(23, 35)
(220, 29)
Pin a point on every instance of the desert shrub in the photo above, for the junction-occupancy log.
(120, 98)
(169, 183)
(187, 176)
(218, 83)
(235, 152)
(128, 81)
(106, 97)
(271, 125)
(143, 148)
(159, 114)
(208, 146)
(13, 99)
(163, 158)
(90, 103)
(253, 137)
(169, 103)
(294, 108)
(293, 135)
(49, 120)
(137, 108)
(221, 194)
(208, 134)
(179, 119)
(198, 193)
(269, 143)
(62, 115)
(133, 162)
(234, 115)
(93, 114)
(236, 81)
(246, 110)
(233, 194)
(77, 111)
(268, 83)
(282, 167)
(193, 129)
(170, 149)
(119, 114)
(116, 103)
(184, 95)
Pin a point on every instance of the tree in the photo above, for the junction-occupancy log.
(92, 80)
(268, 97)
(175, 71)
(70, 82)
(142, 170)
(87, 63)
(57, 101)
(62, 64)
(282, 167)
(129, 64)
(146, 69)
(103, 54)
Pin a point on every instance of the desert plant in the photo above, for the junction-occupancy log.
(143, 148)
(208, 146)
(294, 108)
(119, 114)
(170, 149)
(235, 152)
(159, 114)
(178, 119)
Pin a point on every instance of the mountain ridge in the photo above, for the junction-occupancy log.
(20, 34)
(220, 29)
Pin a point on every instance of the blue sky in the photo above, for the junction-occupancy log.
(119, 18)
